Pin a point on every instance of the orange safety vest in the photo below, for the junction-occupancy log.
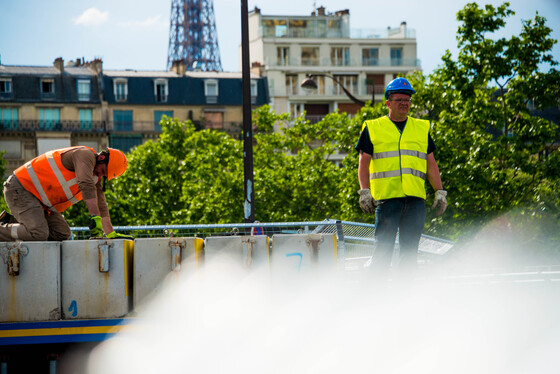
(49, 181)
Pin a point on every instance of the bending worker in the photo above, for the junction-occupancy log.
(38, 191)
(396, 156)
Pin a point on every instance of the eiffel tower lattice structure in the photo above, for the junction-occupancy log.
(193, 38)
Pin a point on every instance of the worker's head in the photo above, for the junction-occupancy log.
(399, 85)
(398, 95)
(110, 163)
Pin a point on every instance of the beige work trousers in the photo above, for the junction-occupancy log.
(34, 222)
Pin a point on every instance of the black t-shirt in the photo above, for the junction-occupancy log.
(364, 143)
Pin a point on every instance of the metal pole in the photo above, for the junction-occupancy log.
(249, 203)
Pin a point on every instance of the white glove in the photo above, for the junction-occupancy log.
(366, 201)
(440, 200)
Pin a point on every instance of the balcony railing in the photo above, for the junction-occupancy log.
(356, 62)
(6, 95)
(36, 125)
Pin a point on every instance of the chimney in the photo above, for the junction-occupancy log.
(257, 68)
(179, 67)
(96, 65)
(59, 64)
(321, 11)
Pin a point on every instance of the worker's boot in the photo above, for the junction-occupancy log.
(6, 218)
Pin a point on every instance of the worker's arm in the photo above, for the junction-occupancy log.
(363, 170)
(94, 211)
(440, 199)
(433, 173)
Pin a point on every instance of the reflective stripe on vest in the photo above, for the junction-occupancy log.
(399, 161)
(47, 179)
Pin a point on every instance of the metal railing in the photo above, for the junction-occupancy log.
(52, 125)
(355, 244)
(355, 239)
(353, 62)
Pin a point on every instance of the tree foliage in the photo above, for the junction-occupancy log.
(188, 176)
(494, 154)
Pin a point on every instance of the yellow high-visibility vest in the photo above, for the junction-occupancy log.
(399, 162)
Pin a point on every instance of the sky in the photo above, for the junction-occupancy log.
(134, 34)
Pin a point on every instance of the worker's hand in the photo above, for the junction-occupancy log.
(366, 201)
(440, 201)
(116, 235)
(95, 228)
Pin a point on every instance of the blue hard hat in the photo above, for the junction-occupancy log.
(399, 85)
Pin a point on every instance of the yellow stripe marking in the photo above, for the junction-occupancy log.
(61, 331)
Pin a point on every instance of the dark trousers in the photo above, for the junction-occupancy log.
(407, 215)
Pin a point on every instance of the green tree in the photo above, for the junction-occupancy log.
(493, 154)
(190, 176)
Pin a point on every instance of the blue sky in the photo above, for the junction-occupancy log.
(134, 34)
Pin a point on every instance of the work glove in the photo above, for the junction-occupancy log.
(367, 203)
(95, 228)
(441, 201)
(116, 235)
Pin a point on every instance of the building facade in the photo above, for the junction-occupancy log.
(78, 103)
(290, 48)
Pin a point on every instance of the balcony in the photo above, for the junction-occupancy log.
(356, 62)
(62, 126)
(6, 95)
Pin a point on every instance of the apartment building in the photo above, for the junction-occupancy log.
(79, 103)
(43, 108)
(289, 48)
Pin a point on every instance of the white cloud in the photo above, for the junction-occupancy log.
(148, 22)
(91, 17)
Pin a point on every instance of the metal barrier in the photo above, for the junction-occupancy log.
(354, 239)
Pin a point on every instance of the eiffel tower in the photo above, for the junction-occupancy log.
(193, 38)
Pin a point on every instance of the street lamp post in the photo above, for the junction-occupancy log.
(249, 202)
(308, 84)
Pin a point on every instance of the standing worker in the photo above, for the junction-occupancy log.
(38, 191)
(396, 157)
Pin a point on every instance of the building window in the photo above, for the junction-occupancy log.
(8, 118)
(158, 114)
(370, 56)
(291, 84)
(281, 29)
(125, 142)
(213, 120)
(254, 91)
(5, 88)
(84, 89)
(49, 119)
(85, 119)
(375, 83)
(350, 82)
(283, 56)
(120, 89)
(396, 56)
(122, 120)
(47, 88)
(211, 91)
(340, 56)
(296, 110)
(310, 56)
(12, 148)
(161, 90)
